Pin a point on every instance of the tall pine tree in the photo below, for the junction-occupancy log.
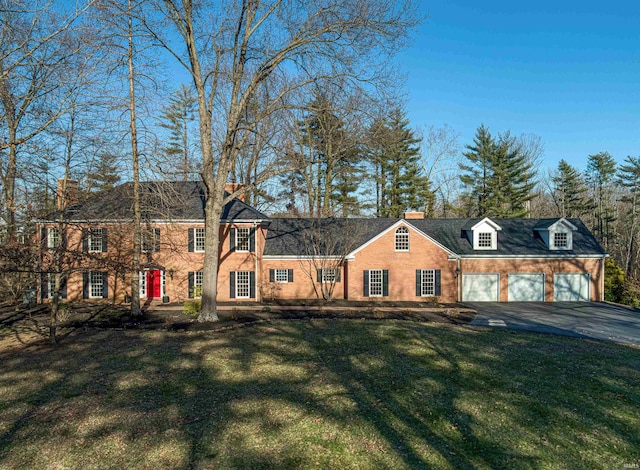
(569, 192)
(629, 179)
(601, 170)
(394, 153)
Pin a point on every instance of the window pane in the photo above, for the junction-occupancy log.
(328, 275)
(428, 282)
(198, 242)
(242, 239)
(53, 238)
(402, 239)
(242, 284)
(95, 284)
(484, 240)
(560, 240)
(95, 240)
(198, 277)
(282, 275)
(375, 283)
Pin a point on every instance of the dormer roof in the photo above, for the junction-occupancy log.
(554, 224)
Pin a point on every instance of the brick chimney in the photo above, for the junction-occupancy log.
(70, 192)
(232, 187)
(413, 215)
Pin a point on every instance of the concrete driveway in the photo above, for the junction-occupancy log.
(586, 319)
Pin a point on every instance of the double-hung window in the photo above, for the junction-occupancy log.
(53, 237)
(151, 240)
(328, 275)
(198, 240)
(242, 239)
(95, 240)
(281, 275)
(243, 290)
(427, 282)
(196, 279)
(375, 283)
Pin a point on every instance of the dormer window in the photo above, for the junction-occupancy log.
(402, 239)
(485, 240)
(483, 235)
(561, 240)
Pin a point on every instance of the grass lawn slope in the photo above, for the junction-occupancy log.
(320, 394)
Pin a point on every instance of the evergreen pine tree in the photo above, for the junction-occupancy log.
(629, 179)
(601, 170)
(176, 117)
(395, 154)
(478, 172)
(105, 174)
(570, 193)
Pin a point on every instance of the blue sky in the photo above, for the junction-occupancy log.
(568, 71)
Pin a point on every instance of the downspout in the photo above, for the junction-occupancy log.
(602, 280)
(458, 279)
(255, 232)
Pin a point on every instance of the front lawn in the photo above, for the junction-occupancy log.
(320, 394)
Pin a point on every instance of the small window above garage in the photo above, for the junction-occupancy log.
(557, 234)
(484, 235)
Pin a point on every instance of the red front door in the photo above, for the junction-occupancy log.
(154, 278)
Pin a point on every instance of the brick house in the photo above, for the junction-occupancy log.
(263, 258)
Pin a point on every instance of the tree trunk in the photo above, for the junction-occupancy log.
(137, 218)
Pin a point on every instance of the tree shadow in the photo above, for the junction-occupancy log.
(297, 394)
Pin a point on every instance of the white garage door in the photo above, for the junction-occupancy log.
(527, 287)
(480, 287)
(571, 287)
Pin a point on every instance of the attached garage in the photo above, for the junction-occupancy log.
(526, 287)
(571, 287)
(481, 287)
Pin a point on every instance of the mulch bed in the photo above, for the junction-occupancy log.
(105, 316)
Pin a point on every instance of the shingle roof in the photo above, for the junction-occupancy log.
(330, 236)
(178, 200)
(293, 237)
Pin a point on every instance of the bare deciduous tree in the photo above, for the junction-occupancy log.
(236, 51)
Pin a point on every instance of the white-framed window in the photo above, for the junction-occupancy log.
(51, 285)
(242, 239)
(375, 283)
(281, 275)
(561, 240)
(485, 240)
(427, 282)
(402, 239)
(327, 275)
(198, 280)
(143, 284)
(95, 284)
(151, 240)
(243, 288)
(53, 237)
(198, 240)
(95, 240)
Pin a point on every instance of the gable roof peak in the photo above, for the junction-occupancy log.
(487, 221)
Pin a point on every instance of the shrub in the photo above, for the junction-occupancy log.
(192, 308)
(614, 281)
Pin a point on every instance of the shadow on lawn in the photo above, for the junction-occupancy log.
(296, 394)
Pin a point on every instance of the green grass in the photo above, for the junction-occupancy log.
(320, 394)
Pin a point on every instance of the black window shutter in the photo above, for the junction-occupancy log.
(338, 274)
(252, 284)
(44, 286)
(252, 240)
(438, 282)
(418, 282)
(105, 285)
(191, 279)
(290, 275)
(366, 283)
(156, 240)
(385, 283)
(232, 284)
(272, 275)
(85, 240)
(63, 238)
(191, 237)
(85, 285)
(43, 237)
(63, 287)
(104, 240)
(319, 275)
(232, 239)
